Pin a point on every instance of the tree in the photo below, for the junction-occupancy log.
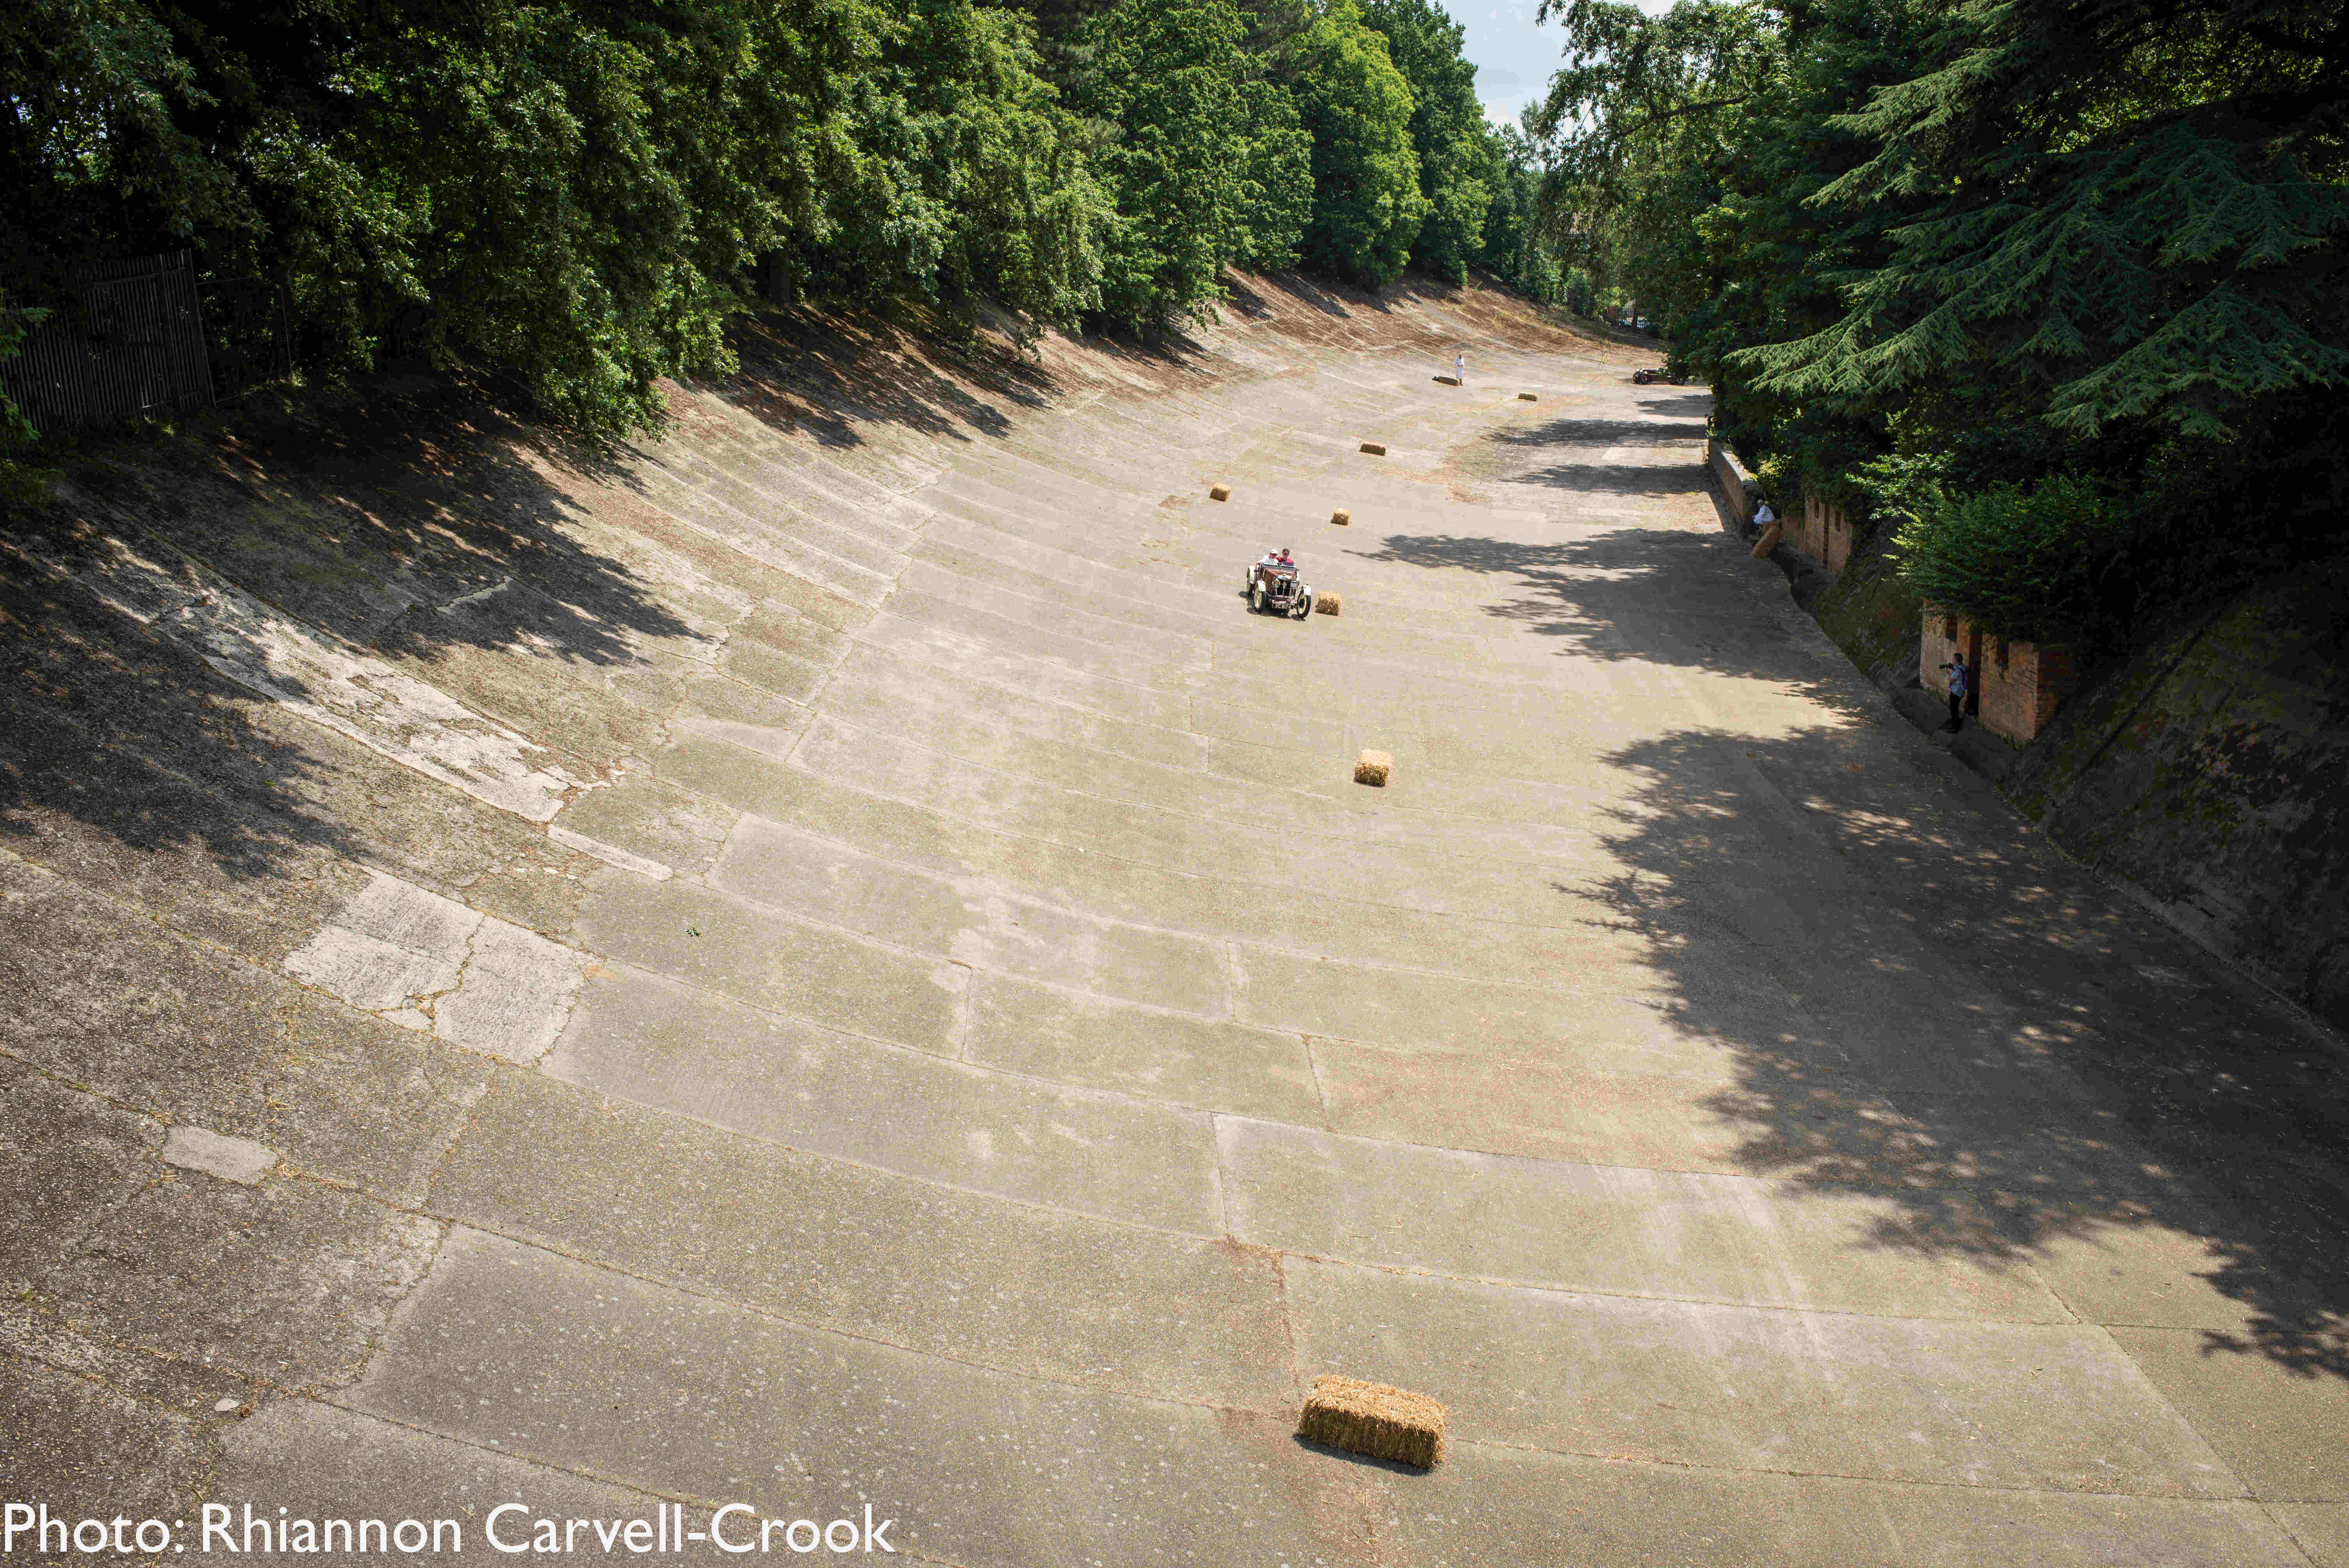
(578, 191)
(1276, 183)
(2131, 210)
(1688, 149)
(1447, 130)
(571, 190)
(96, 149)
(1203, 166)
(2082, 262)
(1513, 243)
(1367, 205)
(1645, 125)
(954, 171)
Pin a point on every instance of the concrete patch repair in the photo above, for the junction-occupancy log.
(825, 990)
(424, 962)
(238, 1160)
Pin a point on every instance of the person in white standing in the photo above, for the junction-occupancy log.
(1460, 368)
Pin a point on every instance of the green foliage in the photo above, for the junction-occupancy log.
(571, 190)
(98, 145)
(953, 172)
(1513, 244)
(578, 191)
(2130, 211)
(1448, 134)
(22, 483)
(1207, 163)
(1276, 181)
(2036, 563)
(1817, 457)
(1642, 125)
(1905, 488)
(506, 171)
(1367, 205)
(2013, 246)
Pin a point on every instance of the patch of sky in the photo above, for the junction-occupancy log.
(1514, 56)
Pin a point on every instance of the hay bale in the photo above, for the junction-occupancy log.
(1528, 398)
(1328, 604)
(1376, 448)
(1769, 541)
(1219, 492)
(1341, 517)
(1374, 1419)
(1372, 767)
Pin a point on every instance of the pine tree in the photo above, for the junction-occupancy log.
(2125, 211)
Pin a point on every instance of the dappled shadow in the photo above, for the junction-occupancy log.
(1672, 429)
(1627, 592)
(1939, 1016)
(1614, 478)
(823, 374)
(1327, 298)
(433, 526)
(1244, 300)
(844, 378)
(415, 517)
(1923, 1006)
(112, 737)
(1598, 433)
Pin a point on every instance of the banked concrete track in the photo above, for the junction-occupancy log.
(828, 962)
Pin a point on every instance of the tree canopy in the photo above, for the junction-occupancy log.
(584, 190)
(2028, 267)
(1366, 206)
(1448, 134)
(1204, 160)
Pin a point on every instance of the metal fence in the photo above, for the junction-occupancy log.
(249, 331)
(128, 338)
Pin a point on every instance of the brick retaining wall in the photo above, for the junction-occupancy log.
(2017, 686)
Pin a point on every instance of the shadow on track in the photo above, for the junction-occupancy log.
(135, 742)
(824, 373)
(2008, 1060)
(1601, 433)
(1627, 592)
(2015, 1066)
(418, 521)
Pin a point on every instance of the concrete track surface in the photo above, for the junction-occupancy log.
(828, 961)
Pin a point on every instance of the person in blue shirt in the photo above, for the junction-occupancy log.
(1960, 684)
